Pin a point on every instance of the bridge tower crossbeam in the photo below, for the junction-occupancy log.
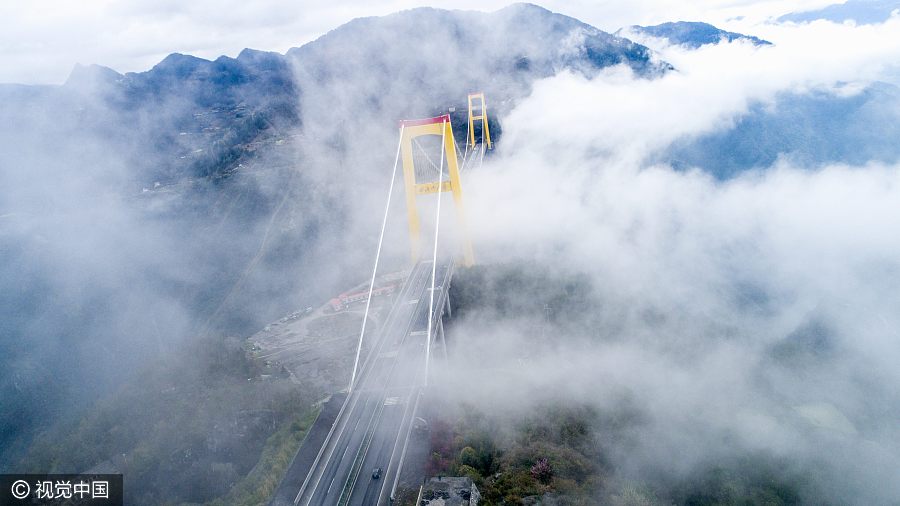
(411, 130)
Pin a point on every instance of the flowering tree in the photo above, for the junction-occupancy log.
(542, 471)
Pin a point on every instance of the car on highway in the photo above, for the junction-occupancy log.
(376, 473)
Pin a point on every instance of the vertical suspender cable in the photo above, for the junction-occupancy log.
(466, 157)
(387, 208)
(437, 228)
(483, 126)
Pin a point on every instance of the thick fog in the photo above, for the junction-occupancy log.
(757, 314)
(115, 254)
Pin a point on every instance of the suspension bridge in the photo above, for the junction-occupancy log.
(360, 459)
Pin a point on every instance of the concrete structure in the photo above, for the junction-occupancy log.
(449, 491)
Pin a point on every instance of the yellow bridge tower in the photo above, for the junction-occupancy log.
(440, 126)
(478, 111)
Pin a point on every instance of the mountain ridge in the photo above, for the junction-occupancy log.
(365, 61)
(692, 34)
(862, 12)
(186, 64)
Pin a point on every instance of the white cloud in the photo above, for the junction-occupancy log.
(712, 86)
(699, 280)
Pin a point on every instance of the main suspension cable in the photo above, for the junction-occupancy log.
(437, 228)
(387, 208)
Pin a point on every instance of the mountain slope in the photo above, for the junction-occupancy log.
(862, 12)
(425, 56)
(809, 129)
(691, 34)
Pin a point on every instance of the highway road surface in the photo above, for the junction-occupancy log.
(373, 427)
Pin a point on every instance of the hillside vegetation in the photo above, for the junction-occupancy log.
(565, 452)
(213, 424)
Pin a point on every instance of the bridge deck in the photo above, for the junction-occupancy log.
(371, 429)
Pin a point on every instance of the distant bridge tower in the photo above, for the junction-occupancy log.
(478, 112)
(412, 130)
